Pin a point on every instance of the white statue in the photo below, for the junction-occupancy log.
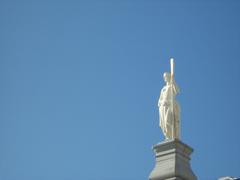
(169, 109)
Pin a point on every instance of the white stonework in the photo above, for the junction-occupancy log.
(169, 109)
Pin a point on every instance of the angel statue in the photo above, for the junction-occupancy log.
(169, 109)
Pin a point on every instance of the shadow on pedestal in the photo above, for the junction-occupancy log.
(172, 161)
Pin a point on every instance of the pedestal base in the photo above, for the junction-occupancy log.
(172, 161)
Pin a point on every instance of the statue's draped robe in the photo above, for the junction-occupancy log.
(169, 110)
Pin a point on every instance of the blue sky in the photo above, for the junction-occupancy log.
(80, 81)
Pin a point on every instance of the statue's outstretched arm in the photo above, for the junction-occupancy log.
(175, 87)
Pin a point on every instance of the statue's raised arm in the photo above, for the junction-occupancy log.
(169, 109)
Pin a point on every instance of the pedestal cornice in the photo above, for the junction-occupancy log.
(172, 161)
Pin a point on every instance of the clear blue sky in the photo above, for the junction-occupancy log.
(80, 82)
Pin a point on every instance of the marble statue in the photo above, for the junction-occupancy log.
(169, 109)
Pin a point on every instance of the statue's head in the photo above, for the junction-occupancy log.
(166, 77)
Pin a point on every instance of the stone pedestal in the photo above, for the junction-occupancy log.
(172, 161)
